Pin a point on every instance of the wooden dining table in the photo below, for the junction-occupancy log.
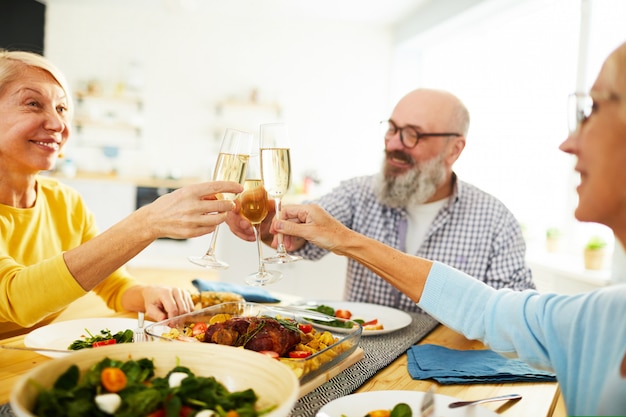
(538, 398)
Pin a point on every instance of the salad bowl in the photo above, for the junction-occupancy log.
(274, 384)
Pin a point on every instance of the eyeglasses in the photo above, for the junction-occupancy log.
(409, 136)
(582, 106)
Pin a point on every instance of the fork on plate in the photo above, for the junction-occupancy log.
(428, 403)
(139, 333)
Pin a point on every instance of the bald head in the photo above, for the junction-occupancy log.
(433, 111)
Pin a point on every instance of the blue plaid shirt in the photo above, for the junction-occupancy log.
(473, 232)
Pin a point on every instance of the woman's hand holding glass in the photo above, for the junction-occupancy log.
(230, 166)
(184, 213)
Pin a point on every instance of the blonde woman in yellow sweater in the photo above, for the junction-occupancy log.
(51, 252)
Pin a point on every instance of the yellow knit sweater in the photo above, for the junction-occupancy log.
(35, 284)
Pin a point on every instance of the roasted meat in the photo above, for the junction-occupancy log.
(254, 333)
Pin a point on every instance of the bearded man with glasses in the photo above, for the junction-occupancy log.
(418, 205)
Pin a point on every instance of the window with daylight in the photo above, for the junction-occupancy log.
(514, 63)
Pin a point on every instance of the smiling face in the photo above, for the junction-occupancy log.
(427, 111)
(600, 147)
(34, 122)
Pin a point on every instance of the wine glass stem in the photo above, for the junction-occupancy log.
(281, 247)
(257, 233)
(211, 250)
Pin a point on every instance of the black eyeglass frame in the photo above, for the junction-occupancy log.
(392, 129)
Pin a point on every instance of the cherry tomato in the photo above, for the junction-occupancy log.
(299, 354)
(104, 343)
(270, 353)
(113, 379)
(199, 328)
(185, 411)
(343, 314)
(232, 413)
(369, 323)
(305, 327)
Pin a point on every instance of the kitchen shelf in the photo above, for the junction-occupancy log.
(82, 123)
(128, 98)
(108, 119)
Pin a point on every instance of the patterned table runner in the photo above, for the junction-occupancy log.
(380, 351)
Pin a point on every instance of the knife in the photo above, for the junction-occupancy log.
(428, 403)
(35, 349)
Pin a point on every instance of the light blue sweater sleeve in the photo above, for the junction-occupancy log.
(582, 338)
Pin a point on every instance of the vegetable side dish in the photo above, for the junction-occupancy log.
(104, 338)
(345, 320)
(130, 389)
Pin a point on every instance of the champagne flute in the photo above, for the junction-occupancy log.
(276, 172)
(253, 203)
(230, 166)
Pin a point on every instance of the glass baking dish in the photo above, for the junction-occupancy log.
(343, 343)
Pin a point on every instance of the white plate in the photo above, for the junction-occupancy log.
(392, 319)
(358, 405)
(61, 334)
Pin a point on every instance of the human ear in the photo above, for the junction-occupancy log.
(455, 148)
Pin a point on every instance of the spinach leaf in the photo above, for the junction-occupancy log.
(68, 379)
(328, 310)
(140, 401)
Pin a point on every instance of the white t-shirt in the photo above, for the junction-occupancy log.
(419, 220)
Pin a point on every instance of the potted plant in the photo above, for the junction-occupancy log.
(553, 239)
(595, 253)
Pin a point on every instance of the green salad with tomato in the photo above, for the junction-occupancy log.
(130, 389)
(104, 338)
(344, 319)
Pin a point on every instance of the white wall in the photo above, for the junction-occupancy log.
(330, 77)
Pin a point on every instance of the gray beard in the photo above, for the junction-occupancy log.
(412, 188)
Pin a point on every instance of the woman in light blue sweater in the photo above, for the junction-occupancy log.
(582, 338)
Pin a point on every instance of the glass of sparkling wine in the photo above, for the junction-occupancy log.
(276, 173)
(230, 166)
(253, 203)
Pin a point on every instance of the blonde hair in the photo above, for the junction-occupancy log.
(12, 64)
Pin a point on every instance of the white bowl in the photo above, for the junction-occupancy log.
(238, 369)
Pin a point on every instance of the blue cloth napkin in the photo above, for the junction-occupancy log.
(450, 366)
(249, 293)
